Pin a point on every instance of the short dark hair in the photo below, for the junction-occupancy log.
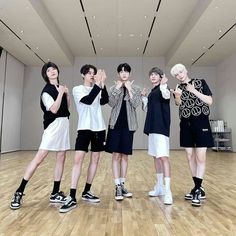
(156, 70)
(44, 71)
(126, 67)
(85, 69)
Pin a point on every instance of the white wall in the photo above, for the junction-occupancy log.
(226, 94)
(11, 121)
(2, 76)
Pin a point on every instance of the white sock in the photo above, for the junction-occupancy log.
(167, 184)
(122, 180)
(117, 181)
(160, 180)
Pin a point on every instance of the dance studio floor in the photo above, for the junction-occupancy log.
(140, 215)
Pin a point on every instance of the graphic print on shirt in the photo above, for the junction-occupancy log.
(192, 105)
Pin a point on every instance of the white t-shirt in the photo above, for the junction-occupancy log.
(89, 116)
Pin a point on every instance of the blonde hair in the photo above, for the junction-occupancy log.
(176, 69)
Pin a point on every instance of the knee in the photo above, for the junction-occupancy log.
(116, 157)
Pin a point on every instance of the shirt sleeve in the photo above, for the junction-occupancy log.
(206, 89)
(165, 91)
(144, 103)
(47, 100)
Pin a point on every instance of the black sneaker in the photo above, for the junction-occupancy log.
(16, 201)
(119, 195)
(88, 196)
(203, 194)
(189, 196)
(58, 197)
(125, 192)
(68, 205)
(196, 201)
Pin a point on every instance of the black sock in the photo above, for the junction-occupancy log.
(22, 186)
(73, 193)
(87, 187)
(198, 182)
(56, 187)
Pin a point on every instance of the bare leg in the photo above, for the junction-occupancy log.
(124, 165)
(116, 165)
(92, 168)
(192, 162)
(76, 171)
(201, 162)
(38, 159)
(59, 167)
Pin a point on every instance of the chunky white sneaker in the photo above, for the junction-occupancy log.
(157, 191)
(168, 200)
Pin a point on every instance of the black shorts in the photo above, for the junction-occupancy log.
(196, 133)
(95, 138)
(120, 140)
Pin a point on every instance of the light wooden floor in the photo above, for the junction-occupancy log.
(140, 215)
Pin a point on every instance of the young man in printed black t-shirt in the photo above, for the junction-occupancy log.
(193, 97)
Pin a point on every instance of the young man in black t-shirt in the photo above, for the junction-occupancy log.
(193, 97)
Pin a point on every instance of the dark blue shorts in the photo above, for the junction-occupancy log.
(120, 140)
(87, 137)
(196, 133)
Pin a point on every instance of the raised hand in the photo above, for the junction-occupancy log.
(144, 92)
(128, 85)
(164, 79)
(190, 88)
(177, 91)
(118, 84)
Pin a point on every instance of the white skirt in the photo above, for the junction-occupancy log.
(56, 135)
(158, 145)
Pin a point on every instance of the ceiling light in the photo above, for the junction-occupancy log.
(22, 31)
(101, 48)
(37, 48)
(94, 17)
(137, 48)
(145, 17)
(119, 35)
(131, 35)
(98, 35)
(141, 35)
(220, 31)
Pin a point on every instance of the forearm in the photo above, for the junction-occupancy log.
(56, 105)
(205, 98)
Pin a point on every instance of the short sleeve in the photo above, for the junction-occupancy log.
(206, 89)
(47, 100)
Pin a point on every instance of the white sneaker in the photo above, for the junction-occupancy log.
(157, 191)
(168, 200)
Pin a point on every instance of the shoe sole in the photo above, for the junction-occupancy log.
(119, 198)
(56, 201)
(196, 204)
(168, 203)
(14, 208)
(125, 195)
(68, 209)
(189, 199)
(90, 200)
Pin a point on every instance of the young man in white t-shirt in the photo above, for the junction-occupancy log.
(91, 130)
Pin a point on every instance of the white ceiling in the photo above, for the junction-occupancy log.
(179, 30)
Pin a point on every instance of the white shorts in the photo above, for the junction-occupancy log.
(158, 145)
(56, 135)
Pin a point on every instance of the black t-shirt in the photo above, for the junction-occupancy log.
(191, 106)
